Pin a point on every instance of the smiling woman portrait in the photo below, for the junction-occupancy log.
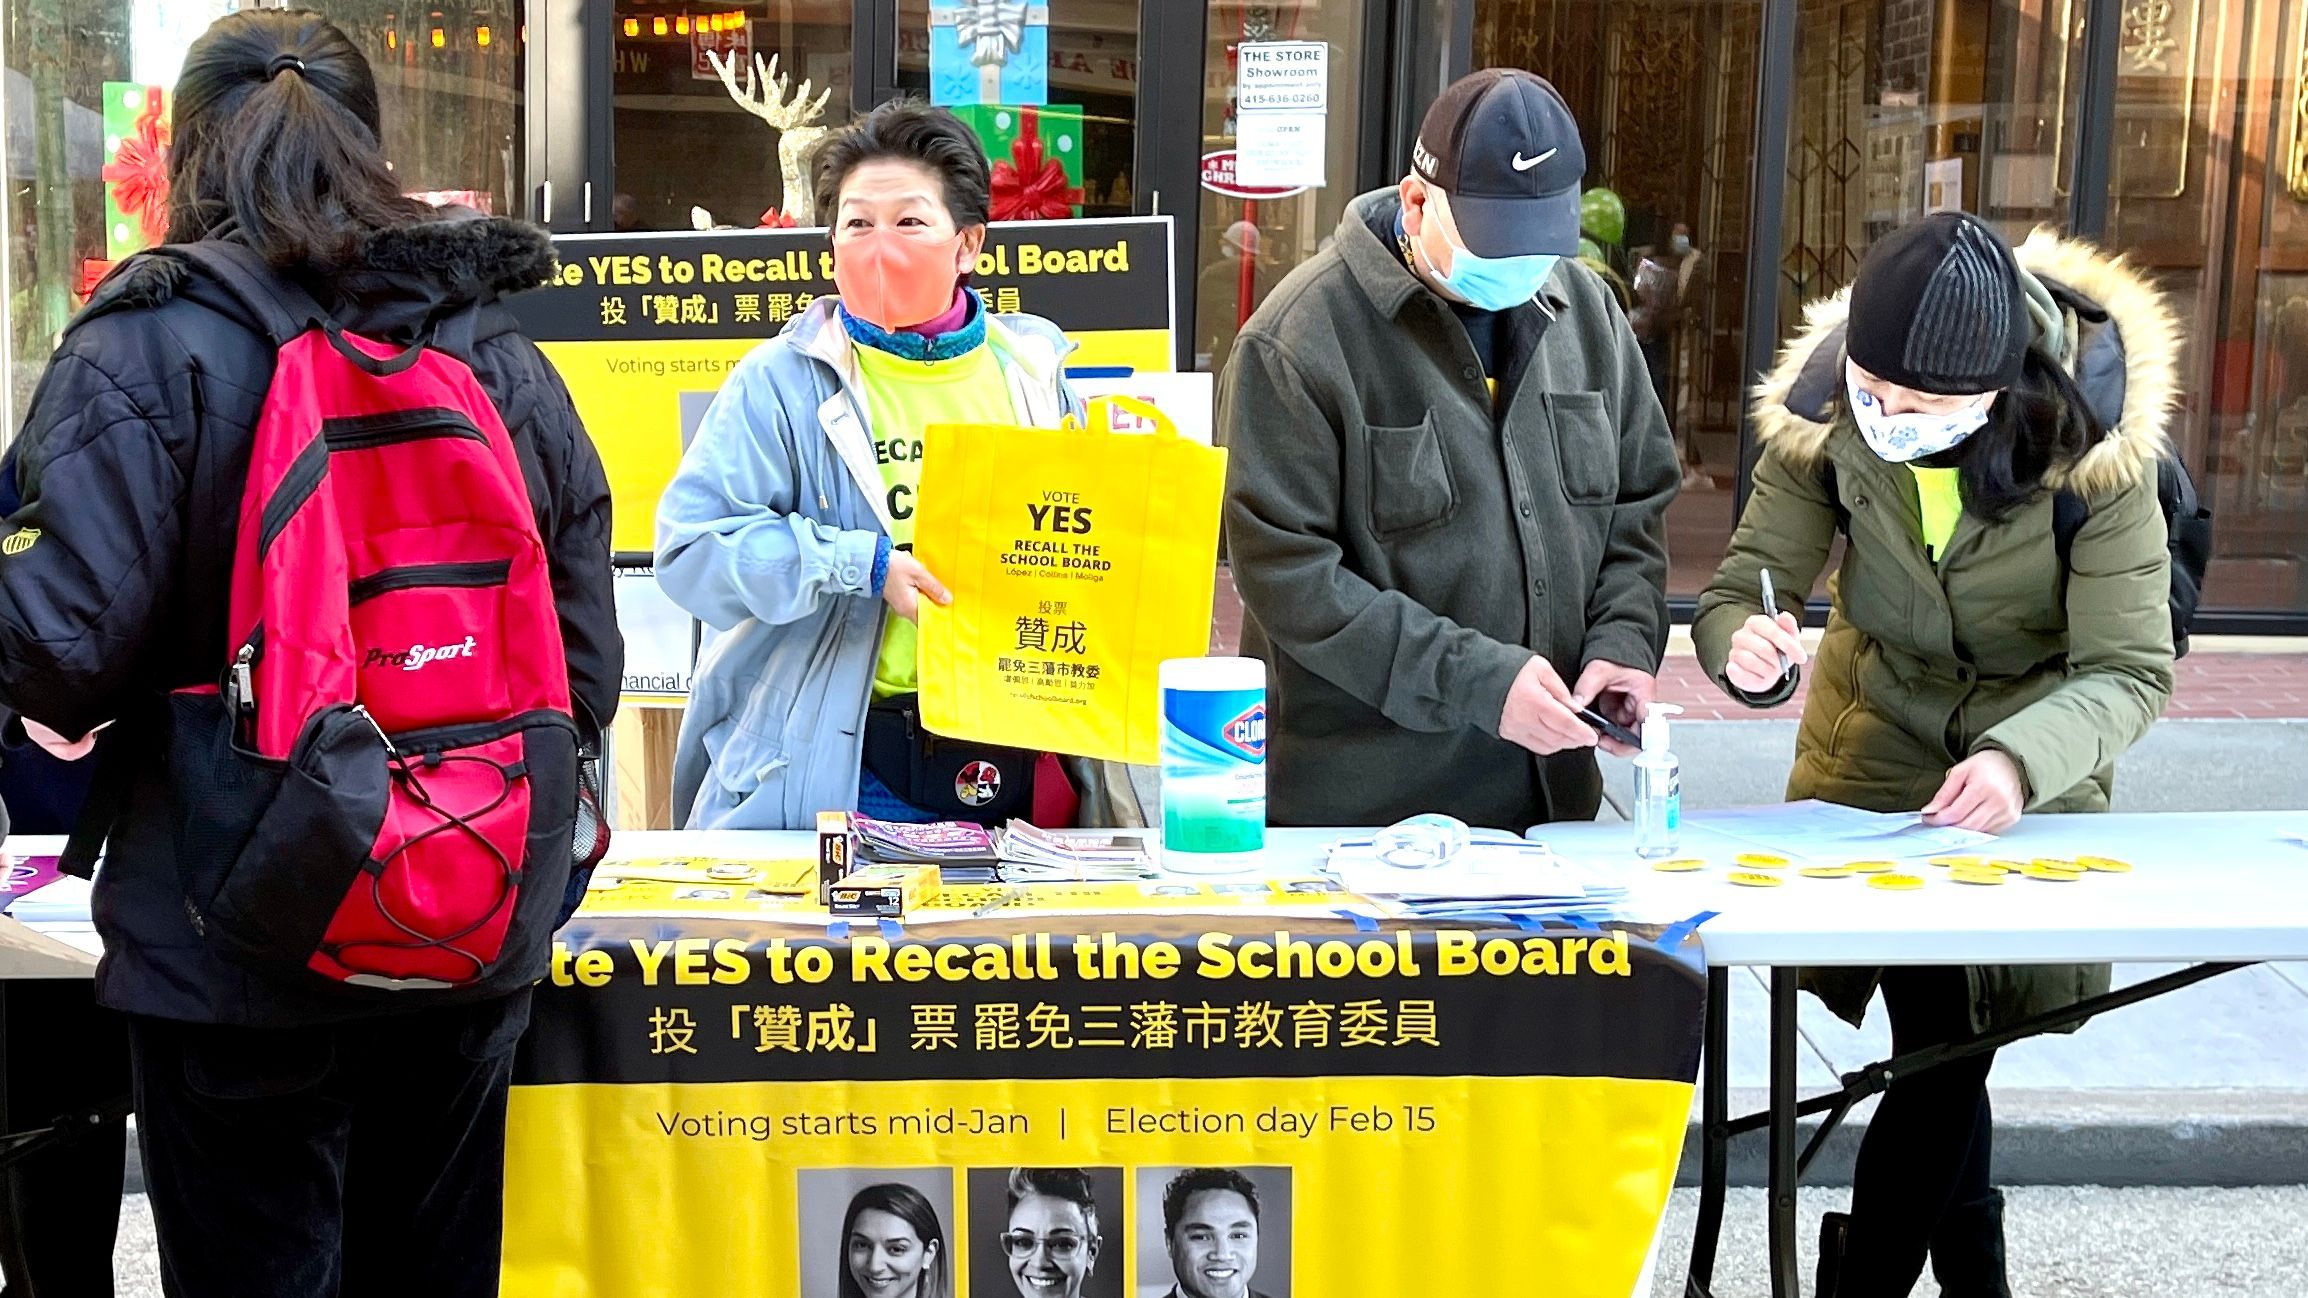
(893, 1246)
(1047, 1232)
(875, 1232)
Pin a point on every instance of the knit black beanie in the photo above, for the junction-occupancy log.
(1938, 307)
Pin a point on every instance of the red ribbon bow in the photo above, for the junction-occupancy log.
(139, 170)
(1030, 186)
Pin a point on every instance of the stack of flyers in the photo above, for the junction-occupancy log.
(1031, 854)
(963, 853)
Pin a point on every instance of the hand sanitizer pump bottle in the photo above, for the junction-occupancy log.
(1658, 788)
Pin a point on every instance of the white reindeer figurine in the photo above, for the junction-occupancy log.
(764, 96)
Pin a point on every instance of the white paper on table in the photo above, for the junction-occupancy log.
(1825, 831)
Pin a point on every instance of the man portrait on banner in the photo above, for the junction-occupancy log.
(1210, 1227)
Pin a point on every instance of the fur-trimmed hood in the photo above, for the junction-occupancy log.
(460, 256)
(2108, 325)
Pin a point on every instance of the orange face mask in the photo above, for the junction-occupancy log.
(888, 279)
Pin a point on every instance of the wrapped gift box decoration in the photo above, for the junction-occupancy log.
(1037, 157)
(989, 52)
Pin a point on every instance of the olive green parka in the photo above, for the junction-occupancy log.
(1925, 663)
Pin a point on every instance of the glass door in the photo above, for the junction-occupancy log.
(1664, 97)
(1253, 235)
(2210, 193)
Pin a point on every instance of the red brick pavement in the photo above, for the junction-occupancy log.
(2224, 686)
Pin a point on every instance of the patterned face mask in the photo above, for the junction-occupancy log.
(1913, 436)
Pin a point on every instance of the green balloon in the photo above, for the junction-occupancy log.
(1589, 250)
(1603, 216)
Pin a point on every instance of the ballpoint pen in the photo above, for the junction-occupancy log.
(1771, 610)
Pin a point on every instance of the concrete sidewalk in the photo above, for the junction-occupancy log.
(2205, 1086)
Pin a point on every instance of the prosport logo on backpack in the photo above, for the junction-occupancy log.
(380, 787)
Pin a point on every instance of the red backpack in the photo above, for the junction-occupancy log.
(381, 787)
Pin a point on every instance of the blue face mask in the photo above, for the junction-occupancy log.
(1495, 283)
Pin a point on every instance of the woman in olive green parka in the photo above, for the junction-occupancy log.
(1934, 414)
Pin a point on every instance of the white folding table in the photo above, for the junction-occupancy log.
(2213, 890)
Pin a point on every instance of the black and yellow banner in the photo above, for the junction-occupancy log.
(644, 327)
(1306, 1106)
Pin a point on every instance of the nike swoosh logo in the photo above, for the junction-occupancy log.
(1525, 164)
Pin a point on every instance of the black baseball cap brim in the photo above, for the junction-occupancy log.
(1518, 227)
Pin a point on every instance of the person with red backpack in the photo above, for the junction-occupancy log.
(319, 532)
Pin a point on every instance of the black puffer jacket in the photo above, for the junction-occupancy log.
(115, 573)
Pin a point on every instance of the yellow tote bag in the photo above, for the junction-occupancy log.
(1079, 559)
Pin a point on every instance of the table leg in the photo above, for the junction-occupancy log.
(1714, 1134)
(12, 1261)
(1786, 1266)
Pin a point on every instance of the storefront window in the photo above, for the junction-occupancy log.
(2210, 191)
(692, 146)
(1664, 95)
(1252, 236)
(87, 127)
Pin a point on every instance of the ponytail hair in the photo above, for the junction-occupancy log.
(2041, 422)
(276, 143)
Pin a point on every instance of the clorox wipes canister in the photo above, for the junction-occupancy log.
(1213, 763)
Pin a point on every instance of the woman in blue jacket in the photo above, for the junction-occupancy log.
(788, 529)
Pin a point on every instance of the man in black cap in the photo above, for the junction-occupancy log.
(1447, 494)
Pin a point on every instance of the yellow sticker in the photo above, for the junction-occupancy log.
(1749, 879)
(1681, 865)
(1826, 872)
(1958, 862)
(1762, 861)
(1982, 877)
(2057, 863)
(2010, 867)
(1872, 867)
(2104, 864)
(1896, 882)
(2050, 875)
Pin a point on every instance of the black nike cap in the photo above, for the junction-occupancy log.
(1503, 145)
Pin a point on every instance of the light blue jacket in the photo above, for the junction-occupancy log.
(767, 535)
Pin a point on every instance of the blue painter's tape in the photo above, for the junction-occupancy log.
(1362, 923)
(1100, 371)
(1679, 933)
(892, 930)
(838, 930)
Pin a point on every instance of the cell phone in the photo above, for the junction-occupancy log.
(1608, 728)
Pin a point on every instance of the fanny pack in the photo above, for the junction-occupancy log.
(948, 778)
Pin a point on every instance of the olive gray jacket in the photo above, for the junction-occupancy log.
(1402, 552)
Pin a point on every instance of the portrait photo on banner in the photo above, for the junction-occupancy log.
(1047, 1232)
(877, 1232)
(1212, 1232)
